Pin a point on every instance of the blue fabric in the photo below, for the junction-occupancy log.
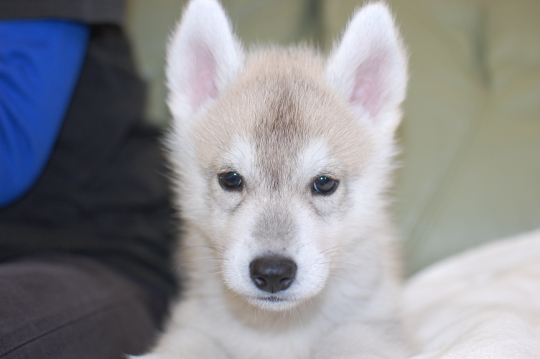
(40, 61)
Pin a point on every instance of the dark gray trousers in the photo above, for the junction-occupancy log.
(73, 307)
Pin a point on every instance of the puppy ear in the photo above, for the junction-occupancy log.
(368, 67)
(203, 57)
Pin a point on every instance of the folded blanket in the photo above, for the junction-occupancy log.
(484, 303)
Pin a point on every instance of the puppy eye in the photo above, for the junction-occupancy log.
(324, 185)
(230, 181)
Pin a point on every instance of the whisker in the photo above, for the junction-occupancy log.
(337, 278)
(336, 247)
(336, 265)
(205, 259)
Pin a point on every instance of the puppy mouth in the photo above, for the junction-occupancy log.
(273, 302)
(272, 299)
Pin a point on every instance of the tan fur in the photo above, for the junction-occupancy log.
(281, 118)
(280, 99)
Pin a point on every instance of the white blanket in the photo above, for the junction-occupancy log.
(482, 304)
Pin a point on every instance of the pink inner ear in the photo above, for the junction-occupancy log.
(203, 77)
(368, 88)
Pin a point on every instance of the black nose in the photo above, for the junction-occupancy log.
(272, 274)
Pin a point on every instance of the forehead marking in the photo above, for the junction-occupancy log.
(315, 159)
(279, 135)
(240, 157)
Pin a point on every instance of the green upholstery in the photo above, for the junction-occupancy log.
(471, 134)
(472, 126)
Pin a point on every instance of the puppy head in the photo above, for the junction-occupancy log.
(282, 157)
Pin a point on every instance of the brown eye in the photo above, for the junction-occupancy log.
(324, 185)
(230, 181)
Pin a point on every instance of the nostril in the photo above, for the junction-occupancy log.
(259, 281)
(286, 282)
(273, 273)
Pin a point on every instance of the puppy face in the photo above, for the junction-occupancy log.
(281, 157)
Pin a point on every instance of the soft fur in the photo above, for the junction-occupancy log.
(281, 117)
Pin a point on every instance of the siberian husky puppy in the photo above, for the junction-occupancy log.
(282, 159)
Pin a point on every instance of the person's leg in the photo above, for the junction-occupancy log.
(72, 307)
